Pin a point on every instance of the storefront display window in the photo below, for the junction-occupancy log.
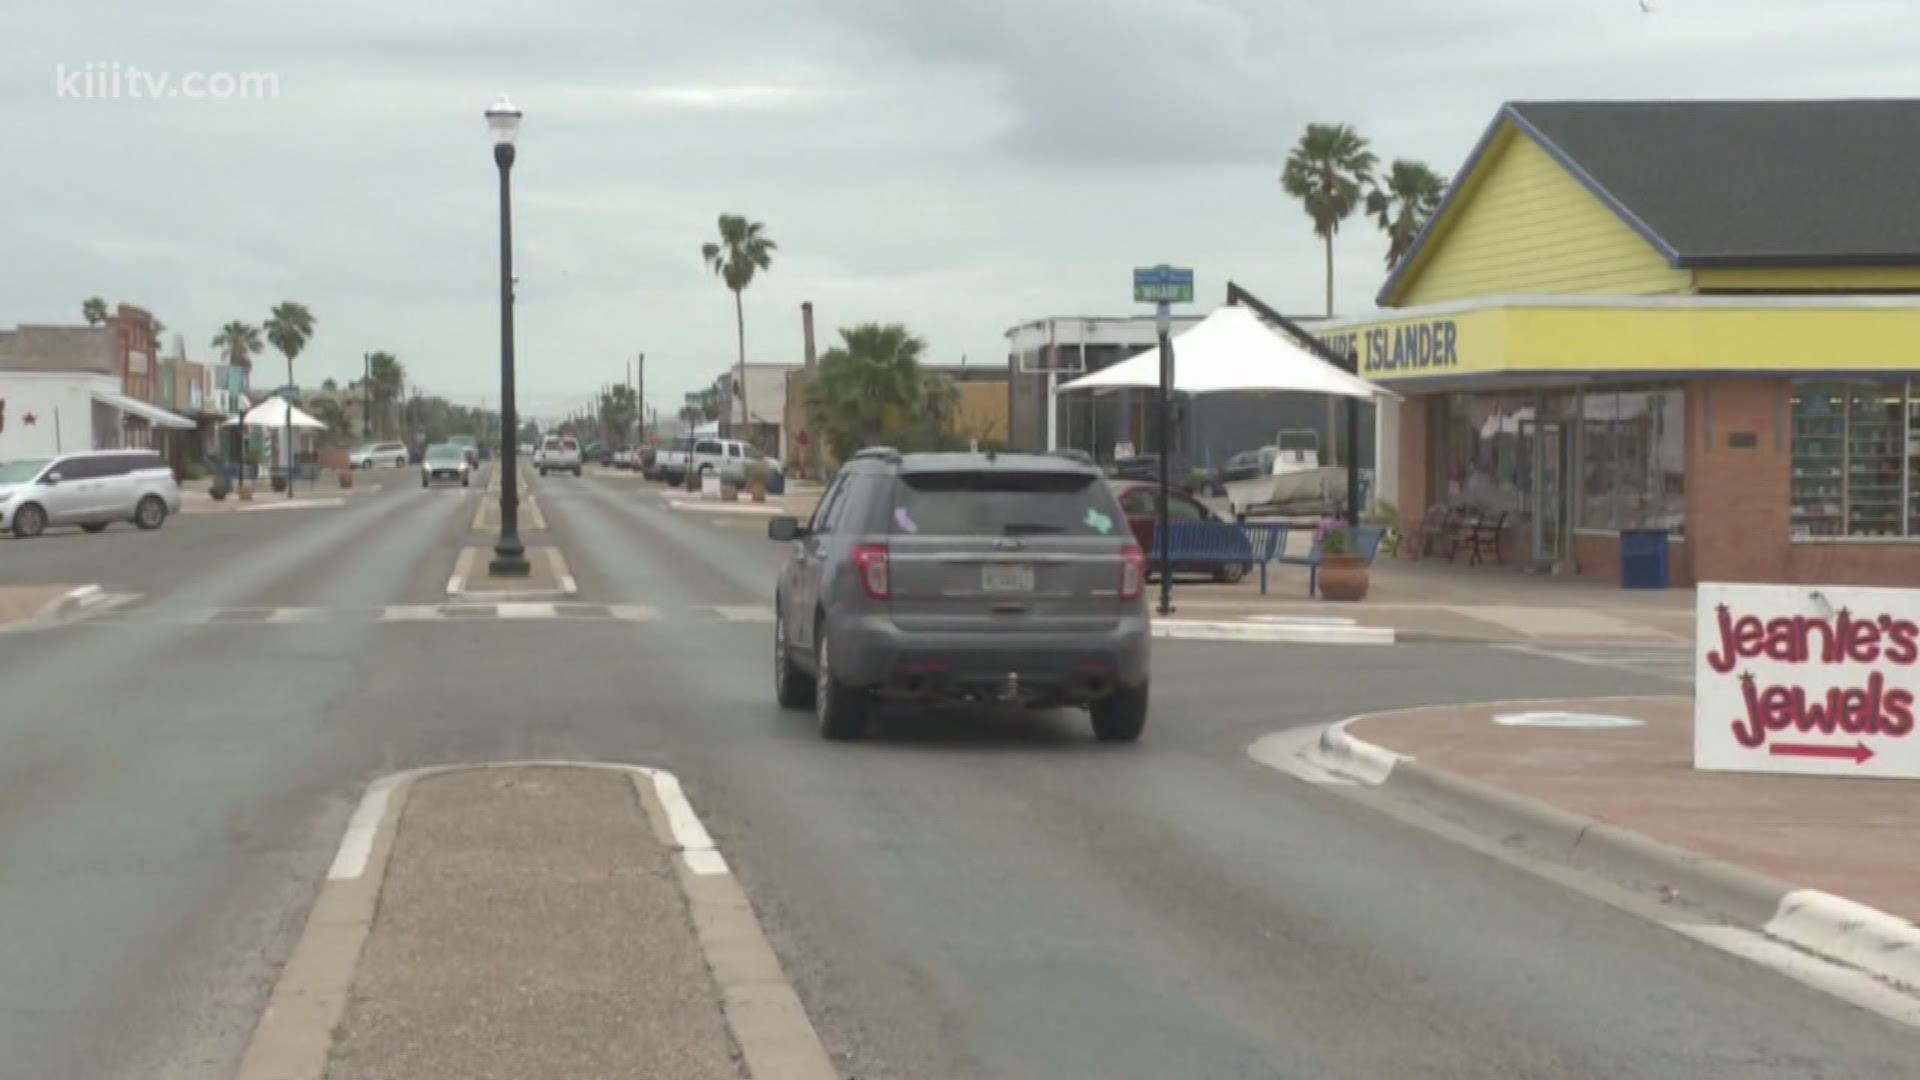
(1853, 447)
(1633, 459)
(1483, 451)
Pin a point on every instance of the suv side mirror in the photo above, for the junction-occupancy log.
(52, 478)
(785, 528)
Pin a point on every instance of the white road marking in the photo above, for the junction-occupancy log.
(357, 845)
(526, 611)
(1675, 663)
(744, 614)
(1848, 984)
(410, 613)
(697, 846)
(294, 614)
(633, 612)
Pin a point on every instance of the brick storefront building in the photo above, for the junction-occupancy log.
(1667, 316)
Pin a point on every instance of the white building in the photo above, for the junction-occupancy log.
(61, 390)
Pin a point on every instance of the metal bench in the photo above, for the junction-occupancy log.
(1363, 540)
(1222, 543)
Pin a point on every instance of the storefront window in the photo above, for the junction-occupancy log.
(1480, 447)
(1633, 459)
(1852, 446)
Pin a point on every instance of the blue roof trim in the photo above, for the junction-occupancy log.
(1446, 203)
(1593, 186)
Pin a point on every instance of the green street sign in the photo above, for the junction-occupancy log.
(1162, 284)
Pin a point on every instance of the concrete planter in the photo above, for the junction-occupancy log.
(1343, 577)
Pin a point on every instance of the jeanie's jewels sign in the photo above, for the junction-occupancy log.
(1807, 679)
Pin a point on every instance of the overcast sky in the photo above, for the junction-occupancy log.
(958, 167)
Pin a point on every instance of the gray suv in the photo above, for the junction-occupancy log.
(971, 577)
(91, 490)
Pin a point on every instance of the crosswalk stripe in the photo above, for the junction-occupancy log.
(745, 614)
(440, 613)
(526, 611)
(633, 612)
(410, 613)
(294, 614)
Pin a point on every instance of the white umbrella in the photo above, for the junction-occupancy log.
(1231, 351)
(273, 413)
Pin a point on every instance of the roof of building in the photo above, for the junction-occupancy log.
(1742, 184)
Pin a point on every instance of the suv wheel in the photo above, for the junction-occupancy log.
(1122, 716)
(792, 688)
(841, 709)
(150, 512)
(29, 521)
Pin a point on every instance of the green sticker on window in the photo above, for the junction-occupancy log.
(1098, 521)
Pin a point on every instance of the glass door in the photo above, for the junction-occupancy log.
(1547, 496)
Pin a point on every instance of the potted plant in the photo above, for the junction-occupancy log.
(757, 475)
(252, 470)
(346, 477)
(218, 487)
(1343, 571)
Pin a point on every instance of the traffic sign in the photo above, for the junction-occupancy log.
(1162, 284)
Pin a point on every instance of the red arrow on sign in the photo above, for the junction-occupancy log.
(1858, 751)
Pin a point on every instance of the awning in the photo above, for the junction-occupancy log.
(1231, 351)
(152, 413)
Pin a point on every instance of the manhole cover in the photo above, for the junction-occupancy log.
(1565, 720)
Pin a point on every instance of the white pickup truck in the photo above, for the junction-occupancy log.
(670, 461)
(558, 453)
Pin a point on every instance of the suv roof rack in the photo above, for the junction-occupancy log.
(882, 453)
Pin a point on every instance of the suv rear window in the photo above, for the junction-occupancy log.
(550, 444)
(1003, 503)
(569, 445)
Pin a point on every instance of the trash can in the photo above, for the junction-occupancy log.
(777, 483)
(1643, 559)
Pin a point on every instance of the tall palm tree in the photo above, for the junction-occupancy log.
(94, 310)
(743, 250)
(1325, 172)
(238, 342)
(1402, 202)
(389, 379)
(289, 327)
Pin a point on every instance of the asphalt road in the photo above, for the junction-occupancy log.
(960, 896)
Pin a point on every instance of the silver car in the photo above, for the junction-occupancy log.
(91, 490)
(971, 577)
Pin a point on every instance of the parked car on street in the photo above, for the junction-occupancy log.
(559, 454)
(446, 463)
(971, 577)
(728, 459)
(644, 458)
(93, 489)
(670, 461)
(1140, 501)
(621, 457)
(384, 455)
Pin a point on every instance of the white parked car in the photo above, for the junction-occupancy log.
(91, 490)
(558, 454)
(387, 455)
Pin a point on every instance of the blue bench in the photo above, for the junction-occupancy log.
(1362, 540)
(1222, 543)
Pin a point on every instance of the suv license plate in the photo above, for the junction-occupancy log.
(1016, 578)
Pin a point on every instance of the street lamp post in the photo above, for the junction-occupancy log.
(509, 555)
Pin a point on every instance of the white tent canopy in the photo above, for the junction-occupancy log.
(272, 413)
(1231, 351)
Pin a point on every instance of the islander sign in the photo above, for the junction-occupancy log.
(1799, 679)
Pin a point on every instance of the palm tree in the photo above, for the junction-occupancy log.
(330, 412)
(871, 378)
(1325, 172)
(289, 327)
(238, 343)
(94, 310)
(743, 250)
(1402, 203)
(389, 379)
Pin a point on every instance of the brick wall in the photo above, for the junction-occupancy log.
(1738, 495)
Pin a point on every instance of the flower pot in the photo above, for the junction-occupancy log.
(246, 492)
(1343, 577)
(757, 489)
(279, 483)
(346, 477)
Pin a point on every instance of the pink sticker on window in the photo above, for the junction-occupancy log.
(904, 520)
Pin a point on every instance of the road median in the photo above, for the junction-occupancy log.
(532, 920)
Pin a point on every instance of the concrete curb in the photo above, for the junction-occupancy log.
(1298, 633)
(565, 585)
(750, 508)
(294, 1036)
(1829, 926)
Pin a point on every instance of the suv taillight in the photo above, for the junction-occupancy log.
(1133, 572)
(871, 561)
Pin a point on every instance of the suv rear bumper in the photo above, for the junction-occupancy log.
(1069, 667)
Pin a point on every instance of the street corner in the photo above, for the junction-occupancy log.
(1611, 786)
(548, 577)
(532, 919)
(27, 607)
(1272, 629)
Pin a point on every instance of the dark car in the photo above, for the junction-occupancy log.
(1139, 500)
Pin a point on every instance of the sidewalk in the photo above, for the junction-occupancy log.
(1433, 601)
(530, 925)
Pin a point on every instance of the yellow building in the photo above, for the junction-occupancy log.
(1692, 317)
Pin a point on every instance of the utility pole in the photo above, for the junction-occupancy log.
(366, 397)
(639, 398)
